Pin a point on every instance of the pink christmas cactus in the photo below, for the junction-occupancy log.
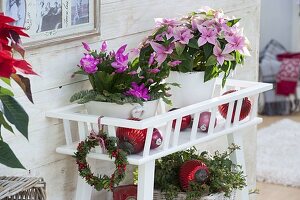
(89, 64)
(138, 91)
(121, 60)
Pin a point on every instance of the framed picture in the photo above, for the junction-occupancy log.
(51, 21)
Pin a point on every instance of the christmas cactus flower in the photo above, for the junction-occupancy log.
(121, 60)
(121, 77)
(89, 64)
(137, 91)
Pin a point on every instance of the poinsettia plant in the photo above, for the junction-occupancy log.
(118, 79)
(12, 112)
(206, 40)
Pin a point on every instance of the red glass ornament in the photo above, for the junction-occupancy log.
(193, 171)
(245, 110)
(156, 139)
(133, 140)
(185, 122)
(125, 192)
(204, 120)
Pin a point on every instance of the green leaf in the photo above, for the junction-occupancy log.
(4, 91)
(8, 158)
(212, 60)
(179, 48)
(15, 114)
(193, 43)
(232, 22)
(4, 123)
(6, 80)
(208, 49)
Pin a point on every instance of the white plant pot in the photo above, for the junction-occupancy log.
(192, 88)
(125, 111)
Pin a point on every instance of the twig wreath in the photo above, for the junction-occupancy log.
(110, 144)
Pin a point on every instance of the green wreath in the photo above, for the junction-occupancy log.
(110, 144)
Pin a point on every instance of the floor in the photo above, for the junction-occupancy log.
(272, 191)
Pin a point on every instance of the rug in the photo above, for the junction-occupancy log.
(278, 153)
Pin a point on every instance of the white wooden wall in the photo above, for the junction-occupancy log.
(122, 21)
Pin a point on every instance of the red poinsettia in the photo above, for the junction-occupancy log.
(9, 41)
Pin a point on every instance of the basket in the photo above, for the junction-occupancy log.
(22, 188)
(182, 196)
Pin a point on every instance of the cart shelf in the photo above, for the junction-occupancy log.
(173, 139)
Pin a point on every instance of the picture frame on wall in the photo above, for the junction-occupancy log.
(51, 21)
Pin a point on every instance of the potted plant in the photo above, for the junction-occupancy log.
(11, 112)
(120, 87)
(218, 182)
(197, 48)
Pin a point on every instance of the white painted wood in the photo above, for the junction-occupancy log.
(177, 131)
(195, 125)
(254, 104)
(166, 139)
(229, 114)
(212, 121)
(236, 120)
(146, 180)
(238, 158)
(112, 131)
(83, 190)
(68, 134)
(148, 141)
(81, 130)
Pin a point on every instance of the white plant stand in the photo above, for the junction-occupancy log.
(173, 139)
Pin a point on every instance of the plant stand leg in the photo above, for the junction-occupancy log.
(146, 181)
(83, 191)
(238, 158)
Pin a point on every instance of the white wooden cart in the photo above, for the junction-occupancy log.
(173, 139)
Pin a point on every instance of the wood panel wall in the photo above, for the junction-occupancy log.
(122, 21)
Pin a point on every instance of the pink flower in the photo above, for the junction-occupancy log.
(221, 57)
(89, 64)
(86, 46)
(132, 73)
(137, 91)
(207, 35)
(166, 21)
(151, 59)
(154, 71)
(161, 51)
(121, 60)
(236, 43)
(103, 46)
(133, 53)
(174, 63)
(197, 20)
(183, 35)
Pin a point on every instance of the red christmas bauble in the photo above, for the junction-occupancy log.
(125, 192)
(193, 171)
(156, 139)
(204, 120)
(131, 140)
(245, 110)
(185, 122)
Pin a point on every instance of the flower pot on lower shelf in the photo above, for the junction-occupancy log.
(192, 88)
(125, 111)
(182, 196)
